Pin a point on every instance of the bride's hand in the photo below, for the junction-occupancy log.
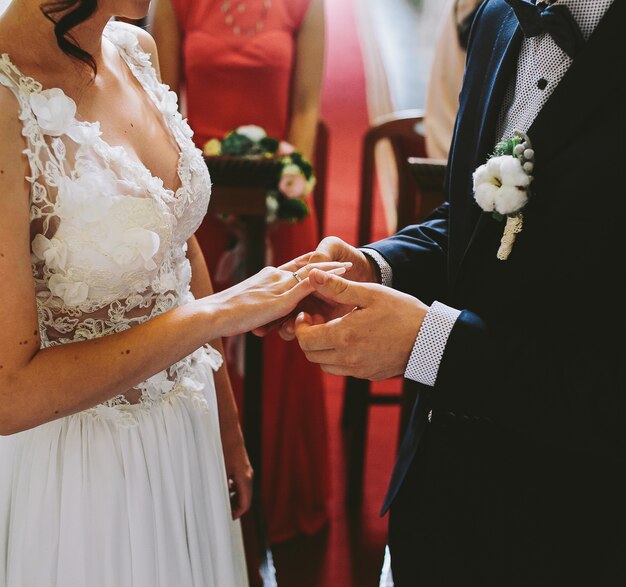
(267, 296)
(239, 472)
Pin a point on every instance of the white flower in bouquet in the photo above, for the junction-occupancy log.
(272, 206)
(54, 111)
(252, 131)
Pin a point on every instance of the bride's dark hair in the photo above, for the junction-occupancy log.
(66, 14)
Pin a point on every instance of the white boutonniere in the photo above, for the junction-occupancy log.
(502, 185)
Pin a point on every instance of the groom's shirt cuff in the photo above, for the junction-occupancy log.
(430, 343)
(386, 275)
(431, 340)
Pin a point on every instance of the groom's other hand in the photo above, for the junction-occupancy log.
(332, 248)
(373, 341)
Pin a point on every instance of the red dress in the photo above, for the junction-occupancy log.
(231, 80)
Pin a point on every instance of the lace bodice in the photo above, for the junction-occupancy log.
(108, 239)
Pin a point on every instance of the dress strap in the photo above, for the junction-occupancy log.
(22, 86)
(127, 43)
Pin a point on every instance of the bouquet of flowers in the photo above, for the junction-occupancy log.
(296, 180)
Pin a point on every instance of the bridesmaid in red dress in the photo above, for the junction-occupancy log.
(239, 62)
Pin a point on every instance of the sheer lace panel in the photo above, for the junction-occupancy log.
(108, 240)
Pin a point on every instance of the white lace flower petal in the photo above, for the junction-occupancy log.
(85, 133)
(86, 198)
(52, 251)
(169, 104)
(147, 244)
(137, 248)
(73, 293)
(54, 111)
(122, 37)
(213, 357)
(191, 384)
(157, 385)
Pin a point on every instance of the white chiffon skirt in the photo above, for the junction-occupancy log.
(86, 502)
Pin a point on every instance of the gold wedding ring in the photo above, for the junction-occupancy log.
(296, 276)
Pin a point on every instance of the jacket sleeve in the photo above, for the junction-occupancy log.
(417, 256)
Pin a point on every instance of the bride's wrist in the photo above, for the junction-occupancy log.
(216, 316)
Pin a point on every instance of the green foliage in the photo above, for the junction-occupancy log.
(269, 145)
(236, 144)
(291, 209)
(506, 147)
(304, 165)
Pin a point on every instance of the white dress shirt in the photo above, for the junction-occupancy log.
(541, 66)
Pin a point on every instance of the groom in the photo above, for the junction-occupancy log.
(511, 472)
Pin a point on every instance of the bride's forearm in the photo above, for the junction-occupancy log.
(65, 379)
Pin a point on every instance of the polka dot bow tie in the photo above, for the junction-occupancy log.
(556, 20)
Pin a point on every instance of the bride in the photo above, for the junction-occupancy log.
(121, 459)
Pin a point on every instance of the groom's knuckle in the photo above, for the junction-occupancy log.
(341, 285)
(350, 337)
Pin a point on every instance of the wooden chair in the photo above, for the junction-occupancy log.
(403, 131)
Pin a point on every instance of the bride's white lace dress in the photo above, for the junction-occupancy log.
(119, 495)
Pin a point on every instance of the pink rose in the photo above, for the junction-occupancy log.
(285, 148)
(293, 185)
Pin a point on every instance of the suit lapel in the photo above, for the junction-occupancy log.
(494, 82)
(501, 66)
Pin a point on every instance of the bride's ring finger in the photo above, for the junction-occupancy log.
(338, 268)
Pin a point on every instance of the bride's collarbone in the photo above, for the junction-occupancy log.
(128, 118)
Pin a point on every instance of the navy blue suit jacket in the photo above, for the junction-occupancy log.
(534, 348)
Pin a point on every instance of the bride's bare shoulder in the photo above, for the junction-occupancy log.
(13, 164)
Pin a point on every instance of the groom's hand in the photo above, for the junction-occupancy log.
(310, 304)
(329, 249)
(373, 341)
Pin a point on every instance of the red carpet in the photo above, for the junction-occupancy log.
(344, 109)
(350, 552)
